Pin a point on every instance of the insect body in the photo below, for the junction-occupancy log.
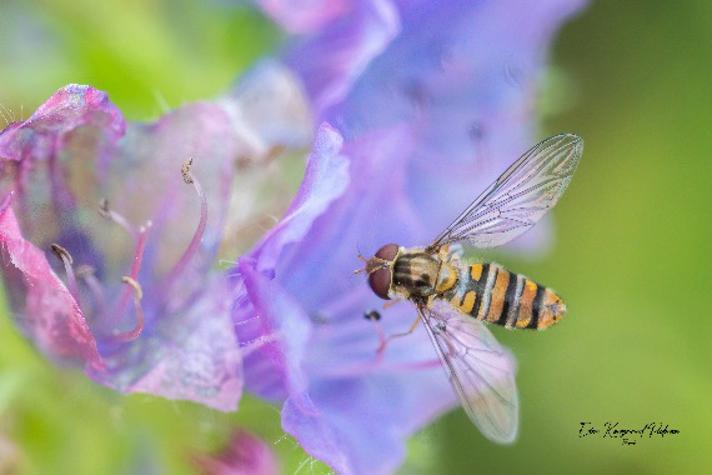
(453, 298)
(485, 291)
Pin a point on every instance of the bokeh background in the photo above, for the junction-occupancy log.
(631, 254)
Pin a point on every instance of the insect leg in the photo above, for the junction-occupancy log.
(384, 342)
(391, 303)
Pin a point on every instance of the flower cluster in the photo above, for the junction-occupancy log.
(110, 256)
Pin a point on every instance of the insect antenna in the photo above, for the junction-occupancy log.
(362, 259)
(370, 265)
(365, 262)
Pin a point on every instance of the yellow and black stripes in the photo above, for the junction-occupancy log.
(490, 293)
(537, 306)
(485, 290)
(497, 294)
(525, 313)
(511, 299)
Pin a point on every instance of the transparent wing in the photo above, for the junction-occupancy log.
(480, 370)
(519, 197)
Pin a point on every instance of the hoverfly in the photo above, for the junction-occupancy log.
(453, 299)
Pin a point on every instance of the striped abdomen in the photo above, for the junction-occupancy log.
(490, 293)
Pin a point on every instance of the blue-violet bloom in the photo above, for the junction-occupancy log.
(424, 105)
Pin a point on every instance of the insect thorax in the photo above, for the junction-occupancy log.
(415, 273)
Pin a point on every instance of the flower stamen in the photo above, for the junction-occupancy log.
(66, 258)
(106, 212)
(134, 287)
(192, 248)
(185, 171)
(135, 332)
(87, 274)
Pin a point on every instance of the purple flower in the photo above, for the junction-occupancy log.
(418, 128)
(245, 454)
(109, 254)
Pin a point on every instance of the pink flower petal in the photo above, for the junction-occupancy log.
(50, 314)
(200, 361)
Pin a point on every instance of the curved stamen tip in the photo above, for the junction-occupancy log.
(62, 253)
(66, 258)
(185, 171)
(138, 291)
(135, 332)
(104, 210)
(194, 245)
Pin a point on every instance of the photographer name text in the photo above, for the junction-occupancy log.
(627, 435)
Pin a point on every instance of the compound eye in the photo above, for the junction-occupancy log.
(380, 281)
(388, 252)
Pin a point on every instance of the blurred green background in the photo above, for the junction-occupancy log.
(631, 254)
